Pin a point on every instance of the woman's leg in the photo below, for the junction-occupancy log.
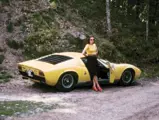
(95, 79)
(94, 85)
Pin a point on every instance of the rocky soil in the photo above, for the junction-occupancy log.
(136, 102)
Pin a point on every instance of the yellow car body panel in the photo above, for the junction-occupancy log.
(120, 68)
(52, 72)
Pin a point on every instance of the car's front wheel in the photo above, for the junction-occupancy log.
(67, 82)
(127, 77)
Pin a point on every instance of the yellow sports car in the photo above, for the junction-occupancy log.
(66, 69)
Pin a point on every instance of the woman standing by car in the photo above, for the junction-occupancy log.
(91, 51)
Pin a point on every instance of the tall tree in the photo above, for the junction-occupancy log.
(109, 28)
(147, 22)
(153, 18)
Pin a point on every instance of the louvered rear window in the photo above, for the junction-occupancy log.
(55, 59)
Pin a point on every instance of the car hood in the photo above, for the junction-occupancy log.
(122, 65)
(44, 66)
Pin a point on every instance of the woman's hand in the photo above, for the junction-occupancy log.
(85, 55)
(97, 53)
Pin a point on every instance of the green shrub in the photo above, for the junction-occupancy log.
(43, 20)
(1, 50)
(76, 43)
(10, 27)
(4, 1)
(1, 58)
(23, 27)
(4, 77)
(136, 49)
(24, 108)
(150, 70)
(41, 43)
(53, 5)
(15, 44)
(107, 50)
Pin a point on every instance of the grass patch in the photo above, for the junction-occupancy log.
(4, 77)
(14, 44)
(18, 108)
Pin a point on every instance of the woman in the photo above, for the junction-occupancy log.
(91, 51)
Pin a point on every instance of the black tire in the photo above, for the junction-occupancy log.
(67, 82)
(127, 77)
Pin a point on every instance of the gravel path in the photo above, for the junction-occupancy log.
(137, 102)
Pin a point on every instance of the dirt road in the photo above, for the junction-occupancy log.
(137, 102)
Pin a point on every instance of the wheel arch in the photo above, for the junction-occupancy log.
(131, 69)
(121, 82)
(72, 72)
(59, 84)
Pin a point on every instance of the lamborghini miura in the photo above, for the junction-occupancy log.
(67, 69)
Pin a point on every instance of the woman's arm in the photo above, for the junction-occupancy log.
(84, 50)
(96, 50)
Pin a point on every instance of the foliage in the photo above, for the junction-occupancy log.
(43, 20)
(76, 44)
(4, 1)
(53, 5)
(1, 58)
(15, 44)
(41, 43)
(10, 27)
(17, 108)
(4, 77)
(150, 70)
(108, 51)
(23, 27)
(1, 50)
(127, 44)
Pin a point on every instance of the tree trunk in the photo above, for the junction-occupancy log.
(109, 28)
(147, 30)
(147, 22)
(137, 9)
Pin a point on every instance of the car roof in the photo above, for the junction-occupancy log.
(71, 54)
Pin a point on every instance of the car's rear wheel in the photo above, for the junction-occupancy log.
(127, 77)
(67, 82)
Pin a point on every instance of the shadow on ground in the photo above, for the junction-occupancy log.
(80, 87)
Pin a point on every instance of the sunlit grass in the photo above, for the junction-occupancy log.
(4, 77)
(17, 108)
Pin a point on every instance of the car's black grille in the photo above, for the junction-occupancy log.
(55, 59)
(35, 77)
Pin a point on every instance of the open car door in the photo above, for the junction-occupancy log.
(112, 74)
(111, 69)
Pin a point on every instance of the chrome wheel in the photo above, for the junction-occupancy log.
(67, 81)
(127, 76)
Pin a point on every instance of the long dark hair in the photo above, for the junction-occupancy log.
(89, 39)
